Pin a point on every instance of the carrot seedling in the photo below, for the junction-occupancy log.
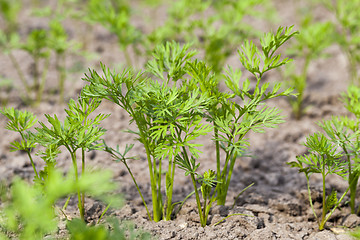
(151, 105)
(324, 158)
(76, 132)
(233, 121)
(309, 45)
(344, 132)
(347, 19)
(170, 106)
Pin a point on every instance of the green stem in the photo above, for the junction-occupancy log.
(202, 220)
(301, 86)
(169, 207)
(310, 200)
(217, 147)
(29, 155)
(127, 57)
(82, 173)
(351, 181)
(137, 187)
(236, 198)
(155, 198)
(324, 207)
(60, 67)
(20, 73)
(321, 227)
(66, 203)
(221, 187)
(231, 169)
(41, 88)
(157, 174)
(103, 213)
(73, 158)
(198, 202)
(33, 164)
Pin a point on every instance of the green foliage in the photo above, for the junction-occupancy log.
(310, 44)
(9, 11)
(115, 16)
(39, 44)
(22, 217)
(213, 26)
(233, 121)
(347, 19)
(170, 107)
(324, 158)
(355, 233)
(335, 152)
(344, 132)
(77, 131)
(120, 231)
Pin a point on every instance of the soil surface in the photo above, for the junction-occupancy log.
(275, 207)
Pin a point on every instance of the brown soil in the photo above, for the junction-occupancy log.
(278, 202)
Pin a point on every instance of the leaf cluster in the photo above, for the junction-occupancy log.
(179, 100)
(22, 216)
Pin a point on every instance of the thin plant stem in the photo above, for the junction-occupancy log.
(334, 208)
(137, 187)
(154, 193)
(236, 198)
(66, 203)
(103, 213)
(202, 220)
(20, 73)
(127, 56)
(324, 210)
(82, 173)
(198, 200)
(183, 201)
(33, 164)
(60, 67)
(30, 157)
(217, 147)
(36, 85)
(310, 199)
(73, 158)
(43, 80)
(169, 196)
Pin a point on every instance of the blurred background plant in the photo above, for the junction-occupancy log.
(314, 38)
(347, 32)
(30, 211)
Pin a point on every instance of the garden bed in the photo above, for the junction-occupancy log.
(275, 207)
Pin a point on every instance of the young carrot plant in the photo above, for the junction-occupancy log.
(216, 27)
(115, 16)
(169, 108)
(149, 103)
(324, 158)
(21, 122)
(37, 47)
(9, 10)
(315, 37)
(337, 152)
(77, 132)
(59, 43)
(233, 121)
(344, 132)
(21, 211)
(347, 18)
